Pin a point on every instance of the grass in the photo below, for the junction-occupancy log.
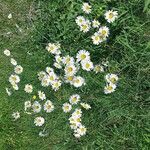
(119, 121)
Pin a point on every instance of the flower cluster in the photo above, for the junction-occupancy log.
(75, 119)
(102, 33)
(35, 107)
(14, 78)
(111, 80)
(49, 78)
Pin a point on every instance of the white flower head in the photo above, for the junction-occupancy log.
(39, 121)
(74, 99)
(81, 130)
(98, 68)
(97, 38)
(109, 88)
(68, 60)
(70, 70)
(42, 95)
(13, 61)
(87, 65)
(41, 75)
(78, 81)
(56, 85)
(36, 106)
(66, 107)
(111, 16)
(48, 106)
(7, 52)
(16, 115)
(80, 20)
(53, 48)
(83, 55)
(95, 23)
(28, 88)
(111, 78)
(45, 82)
(13, 79)
(85, 27)
(18, 69)
(86, 8)
(104, 31)
(27, 104)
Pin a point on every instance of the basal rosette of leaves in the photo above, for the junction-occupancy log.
(66, 70)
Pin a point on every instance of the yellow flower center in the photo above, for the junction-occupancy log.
(87, 65)
(83, 56)
(70, 69)
(111, 15)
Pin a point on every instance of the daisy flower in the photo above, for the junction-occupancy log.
(74, 99)
(111, 16)
(81, 130)
(80, 20)
(52, 77)
(41, 75)
(109, 88)
(85, 105)
(86, 8)
(45, 82)
(97, 39)
(68, 60)
(18, 69)
(28, 88)
(98, 68)
(95, 23)
(66, 107)
(70, 70)
(69, 79)
(77, 113)
(36, 107)
(104, 31)
(78, 81)
(39, 121)
(85, 27)
(87, 65)
(42, 95)
(77, 135)
(27, 104)
(53, 48)
(111, 78)
(13, 79)
(6, 52)
(58, 59)
(48, 106)
(16, 115)
(56, 85)
(83, 55)
(13, 61)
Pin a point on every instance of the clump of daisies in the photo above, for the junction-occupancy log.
(75, 118)
(49, 78)
(102, 32)
(36, 105)
(14, 78)
(111, 81)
